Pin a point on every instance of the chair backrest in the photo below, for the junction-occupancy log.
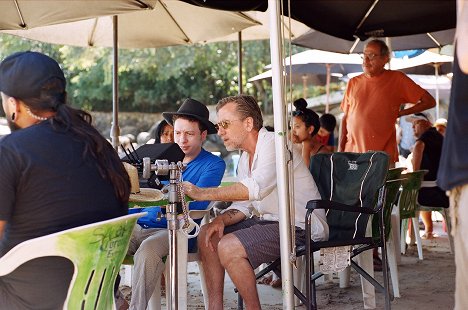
(352, 179)
(96, 250)
(408, 200)
(392, 186)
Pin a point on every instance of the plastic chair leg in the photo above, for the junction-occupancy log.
(366, 262)
(415, 223)
(395, 232)
(345, 277)
(448, 223)
(403, 228)
(392, 262)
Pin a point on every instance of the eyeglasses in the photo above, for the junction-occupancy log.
(370, 56)
(225, 124)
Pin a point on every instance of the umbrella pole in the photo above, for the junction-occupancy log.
(115, 130)
(279, 108)
(327, 87)
(436, 67)
(239, 61)
(304, 86)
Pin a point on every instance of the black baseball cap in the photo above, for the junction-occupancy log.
(23, 74)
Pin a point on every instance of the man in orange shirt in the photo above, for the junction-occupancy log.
(372, 102)
(371, 106)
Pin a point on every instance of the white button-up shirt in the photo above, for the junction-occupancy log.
(263, 192)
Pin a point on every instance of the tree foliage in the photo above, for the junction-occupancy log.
(154, 80)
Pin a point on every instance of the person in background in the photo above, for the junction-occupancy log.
(426, 156)
(453, 169)
(164, 133)
(405, 137)
(441, 125)
(326, 133)
(372, 102)
(371, 106)
(57, 172)
(150, 242)
(238, 241)
(305, 125)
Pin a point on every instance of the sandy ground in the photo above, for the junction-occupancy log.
(427, 284)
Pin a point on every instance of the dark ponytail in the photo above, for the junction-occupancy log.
(53, 98)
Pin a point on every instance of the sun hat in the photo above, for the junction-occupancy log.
(441, 122)
(23, 74)
(426, 116)
(195, 109)
(138, 194)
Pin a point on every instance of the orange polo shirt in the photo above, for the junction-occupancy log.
(371, 106)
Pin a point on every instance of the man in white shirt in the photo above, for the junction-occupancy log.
(238, 241)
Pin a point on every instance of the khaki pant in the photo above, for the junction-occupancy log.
(459, 215)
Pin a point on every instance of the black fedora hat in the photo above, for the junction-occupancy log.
(193, 108)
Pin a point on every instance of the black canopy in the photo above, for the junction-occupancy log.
(351, 19)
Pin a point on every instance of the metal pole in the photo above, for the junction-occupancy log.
(436, 66)
(115, 130)
(304, 86)
(239, 62)
(327, 88)
(279, 109)
(172, 226)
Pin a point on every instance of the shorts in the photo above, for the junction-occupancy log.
(261, 239)
(433, 197)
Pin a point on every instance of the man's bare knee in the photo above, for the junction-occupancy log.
(230, 248)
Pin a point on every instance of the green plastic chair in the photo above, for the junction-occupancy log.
(408, 206)
(96, 250)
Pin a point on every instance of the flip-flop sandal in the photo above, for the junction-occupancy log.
(276, 283)
(265, 280)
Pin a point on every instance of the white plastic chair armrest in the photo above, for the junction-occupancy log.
(26, 251)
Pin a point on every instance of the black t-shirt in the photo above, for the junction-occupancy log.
(433, 141)
(47, 184)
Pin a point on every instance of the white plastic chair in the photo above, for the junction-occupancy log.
(96, 250)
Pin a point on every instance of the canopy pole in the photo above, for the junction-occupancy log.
(115, 130)
(239, 61)
(279, 111)
(436, 67)
(327, 87)
(305, 89)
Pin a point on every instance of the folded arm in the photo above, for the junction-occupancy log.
(426, 102)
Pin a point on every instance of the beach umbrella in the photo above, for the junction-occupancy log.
(27, 14)
(318, 62)
(171, 22)
(319, 40)
(358, 19)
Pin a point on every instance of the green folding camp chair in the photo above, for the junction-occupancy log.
(96, 250)
(352, 186)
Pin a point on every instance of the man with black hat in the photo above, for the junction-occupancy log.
(57, 172)
(149, 243)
